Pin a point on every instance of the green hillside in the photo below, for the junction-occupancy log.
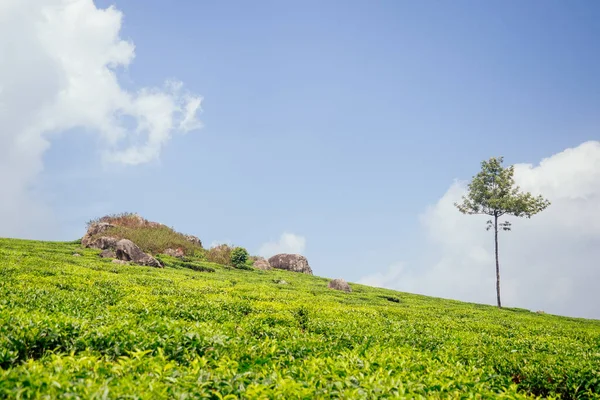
(84, 327)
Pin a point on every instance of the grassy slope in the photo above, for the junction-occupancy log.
(83, 326)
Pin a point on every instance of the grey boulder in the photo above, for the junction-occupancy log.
(129, 251)
(108, 253)
(103, 243)
(291, 262)
(262, 263)
(339, 284)
(193, 239)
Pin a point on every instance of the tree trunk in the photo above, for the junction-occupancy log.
(497, 263)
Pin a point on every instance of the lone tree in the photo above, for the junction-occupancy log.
(493, 192)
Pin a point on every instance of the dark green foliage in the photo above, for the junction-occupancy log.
(392, 299)
(301, 315)
(82, 327)
(195, 265)
(238, 257)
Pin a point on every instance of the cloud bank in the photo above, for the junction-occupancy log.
(550, 262)
(287, 243)
(58, 72)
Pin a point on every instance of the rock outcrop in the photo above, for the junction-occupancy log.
(193, 239)
(94, 230)
(174, 253)
(291, 262)
(129, 251)
(262, 263)
(339, 284)
(103, 243)
(102, 235)
(108, 253)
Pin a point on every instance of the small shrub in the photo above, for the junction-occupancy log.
(173, 262)
(238, 257)
(220, 254)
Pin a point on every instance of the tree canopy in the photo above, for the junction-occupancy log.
(493, 192)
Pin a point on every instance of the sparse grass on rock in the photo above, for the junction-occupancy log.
(151, 237)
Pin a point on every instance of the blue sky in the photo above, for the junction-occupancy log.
(341, 122)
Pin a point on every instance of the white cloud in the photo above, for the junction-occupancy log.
(549, 262)
(58, 72)
(287, 243)
(382, 279)
(216, 243)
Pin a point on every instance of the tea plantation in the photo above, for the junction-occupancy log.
(84, 327)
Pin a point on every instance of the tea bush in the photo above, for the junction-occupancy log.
(83, 327)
